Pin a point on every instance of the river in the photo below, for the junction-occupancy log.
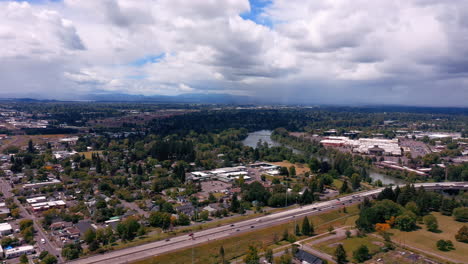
(265, 136)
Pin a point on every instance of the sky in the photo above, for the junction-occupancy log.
(406, 52)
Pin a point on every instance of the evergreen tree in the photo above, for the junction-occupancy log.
(235, 204)
(306, 227)
(340, 254)
(361, 254)
(298, 232)
(269, 255)
(344, 188)
(292, 171)
(356, 181)
(221, 253)
(252, 256)
(31, 146)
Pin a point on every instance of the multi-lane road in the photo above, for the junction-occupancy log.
(184, 241)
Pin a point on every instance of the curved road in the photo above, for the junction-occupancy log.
(184, 241)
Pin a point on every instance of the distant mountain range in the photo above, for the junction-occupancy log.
(183, 98)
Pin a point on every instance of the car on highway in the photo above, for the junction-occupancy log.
(232, 224)
(168, 239)
(42, 241)
(252, 226)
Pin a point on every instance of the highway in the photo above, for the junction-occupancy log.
(185, 241)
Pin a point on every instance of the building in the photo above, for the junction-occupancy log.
(48, 205)
(376, 151)
(18, 251)
(306, 258)
(39, 199)
(4, 212)
(371, 146)
(223, 174)
(5, 229)
(40, 184)
(186, 209)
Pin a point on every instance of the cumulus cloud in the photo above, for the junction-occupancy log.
(330, 51)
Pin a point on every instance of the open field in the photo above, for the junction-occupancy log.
(300, 168)
(88, 154)
(426, 240)
(21, 141)
(350, 245)
(236, 246)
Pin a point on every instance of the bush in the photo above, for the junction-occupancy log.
(461, 214)
(431, 223)
(445, 245)
(361, 254)
(462, 235)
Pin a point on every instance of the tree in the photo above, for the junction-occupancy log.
(284, 171)
(221, 254)
(89, 236)
(235, 204)
(340, 254)
(71, 251)
(444, 245)
(361, 254)
(461, 214)
(462, 235)
(23, 224)
(307, 197)
(49, 259)
(292, 171)
(183, 219)
(344, 187)
(23, 259)
(431, 223)
(405, 222)
(386, 194)
(413, 207)
(269, 255)
(307, 228)
(31, 146)
(382, 227)
(252, 256)
(348, 234)
(356, 181)
(160, 219)
(128, 229)
(204, 215)
(285, 235)
(297, 231)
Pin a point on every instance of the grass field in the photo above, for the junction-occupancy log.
(300, 168)
(236, 246)
(350, 245)
(21, 141)
(426, 240)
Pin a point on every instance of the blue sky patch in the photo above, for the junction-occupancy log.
(148, 59)
(256, 10)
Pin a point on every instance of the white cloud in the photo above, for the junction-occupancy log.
(330, 51)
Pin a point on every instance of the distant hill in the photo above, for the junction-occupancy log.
(183, 98)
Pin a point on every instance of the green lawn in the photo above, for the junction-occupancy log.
(350, 245)
(426, 240)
